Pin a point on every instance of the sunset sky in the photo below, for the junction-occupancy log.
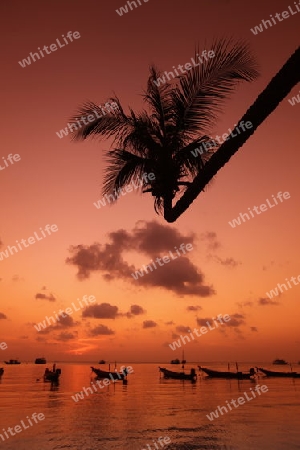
(94, 251)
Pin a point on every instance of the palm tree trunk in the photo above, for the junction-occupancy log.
(278, 88)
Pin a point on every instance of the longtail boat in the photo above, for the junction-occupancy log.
(272, 373)
(192, 376)
(53, 375)
(228, 375)
(112, 375)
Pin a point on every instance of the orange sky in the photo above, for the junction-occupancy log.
(57, 182)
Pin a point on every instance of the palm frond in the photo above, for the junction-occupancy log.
(115, 123)
(123, 167)
(160, 101)
(193, 164)
(201, 92)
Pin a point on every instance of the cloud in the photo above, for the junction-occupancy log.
(50, 297)
(183, 329)
(66, 336)
(149, 324)
(101, 330)
(266, 302)
(236, 320)
(210, 237)
(169, 323)
(253, 329)
(203, 322)
(180, 275)
(194, 308)
(247, 303)
(137, 310)
(102, 311)
(229, 262)
(63, 323)
(2, 316)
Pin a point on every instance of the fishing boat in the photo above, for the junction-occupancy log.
(40, 361)
(192, 376)
(1, 371)
(175, 361)
(12, 361)
(101, 361)
(280, 362)
(112, 375)
(53, 375)
(272, 373)
(229, 375)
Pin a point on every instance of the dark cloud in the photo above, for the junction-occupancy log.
(229, 262)
(175, 336)
(136, 310)
(63, 323)
(101, 330)
(194, 308)
(180, 275)
(253, 329)
(236, 320)
(267, 302)
(183, 329)
(66, 336)
(247, 303)
(102, 311)
(203, 322)
(2, 316)
(149, 324)
(50, 297)
(210, 237)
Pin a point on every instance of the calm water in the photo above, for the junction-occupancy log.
(133, 415)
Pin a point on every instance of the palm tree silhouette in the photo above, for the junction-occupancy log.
(181, 115)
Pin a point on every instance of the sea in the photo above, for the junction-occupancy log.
(149, 412)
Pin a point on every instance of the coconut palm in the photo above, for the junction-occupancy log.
(179, 118)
